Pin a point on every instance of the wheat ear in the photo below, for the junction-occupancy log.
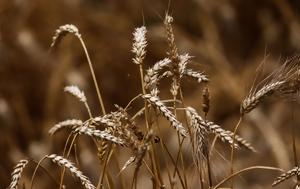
(155, 101)
(287, 175)
(67, 123)
(99, 134)
(74, 170)
(75, 91)
(17, 173)
(139, 44)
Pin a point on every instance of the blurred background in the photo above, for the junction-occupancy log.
(228, 39)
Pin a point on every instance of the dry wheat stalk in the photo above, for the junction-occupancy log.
(155, 101)
(99, 134)
(62, 31)
(17, 174)
(74, 123)
(139, 44)
(74, 170)
(287, 175)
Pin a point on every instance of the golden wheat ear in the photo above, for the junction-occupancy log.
(62, 162)
(63, 31)
(284, 82)
(287, 175)
(17, 174)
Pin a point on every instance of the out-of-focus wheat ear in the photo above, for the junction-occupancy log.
(74, 170)
(67, 123)
(199, 77)
(17, 173)
(155, 101)
(287, 175)
(242, 142)
(62, 31)
(139, 44)
(99, 134)
(205, 101)
(127, 163)
(252, 100)
(75, 91)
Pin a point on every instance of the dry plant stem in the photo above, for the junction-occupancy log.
(232, 148)
(294, 142)
(93, 75)
(174, 163)
(102, 175)
(68, 153)
(35, 170)
(193, 147)
(151, 152)
(179, 154)
(244, 170)
(46, 171)
(163, 157)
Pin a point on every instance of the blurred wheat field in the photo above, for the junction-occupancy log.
(227, 40)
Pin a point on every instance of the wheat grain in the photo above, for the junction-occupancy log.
(17, 173)
(74, 170)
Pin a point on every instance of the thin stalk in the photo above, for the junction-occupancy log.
(179, 154)
(68, 153)
(93, 76)
(173, 161)
(151, 153)
(232, 149)
(244, 170)
(294, 143)
(163, 157)
(45, 171)
(35, 170)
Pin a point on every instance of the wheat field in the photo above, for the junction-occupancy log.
(140, 94)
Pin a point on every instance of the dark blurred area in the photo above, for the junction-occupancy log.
(228, 40)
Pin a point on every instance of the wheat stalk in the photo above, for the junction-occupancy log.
(74, 170)
(17, 174)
